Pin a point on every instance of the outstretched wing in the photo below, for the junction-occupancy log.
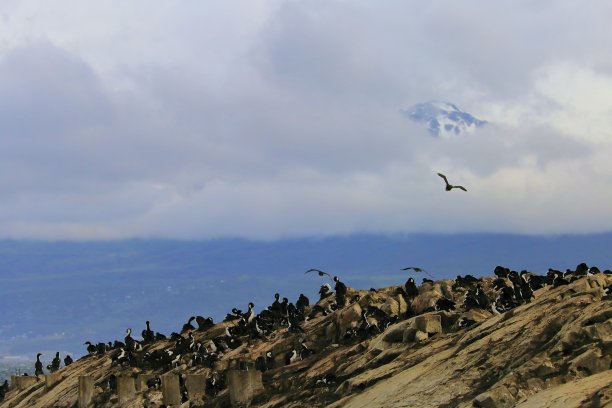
(417, 269)
(321, 273)
(460, 187)
(443, 177)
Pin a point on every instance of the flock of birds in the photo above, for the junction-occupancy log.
(511, 289)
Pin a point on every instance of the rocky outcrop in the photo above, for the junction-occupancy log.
(555, 351)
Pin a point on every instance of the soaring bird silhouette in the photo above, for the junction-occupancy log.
(321, 273)
(417, 269)
(449, 187)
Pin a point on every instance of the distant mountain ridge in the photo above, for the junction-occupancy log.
(443, 119)
(55, 295)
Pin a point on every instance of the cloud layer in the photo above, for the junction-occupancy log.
(267, 119)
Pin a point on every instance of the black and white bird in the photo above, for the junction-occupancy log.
(153, 383)
(129, 341)
(291, 357)
(326, 380)
(305, 351)
(449, 186)
(465, 322)
(249, 316)
(325, 291)
(265, 362)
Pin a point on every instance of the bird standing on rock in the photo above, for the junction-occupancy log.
(411, 288)
(55, 363)
(325, 291)
(449, 186)
(340, 289)
(38, 366)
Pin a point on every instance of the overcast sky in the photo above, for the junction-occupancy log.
(271, 119)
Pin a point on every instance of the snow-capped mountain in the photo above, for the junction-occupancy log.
(443, 118)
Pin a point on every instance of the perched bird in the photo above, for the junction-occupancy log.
(129, 341)
(111, 382)
(148, 336)
(445, 304)
(188, 326)
(204, 323)
(55, 363)
(302, 302)
(326, 380)
(465, 322)
(417, 269)
(68, 360)
(340, 289)
(38, 366)
(325, 291)
(411, 288)
(90, 347)
(291, 357)
(449, 187)
(154, 383)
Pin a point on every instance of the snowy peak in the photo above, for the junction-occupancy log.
(443, 119)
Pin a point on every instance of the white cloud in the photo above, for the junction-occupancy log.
(282, 118)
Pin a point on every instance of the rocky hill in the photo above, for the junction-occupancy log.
(385, 348)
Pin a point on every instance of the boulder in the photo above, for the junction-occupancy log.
(349, 317)
(545, 369)
(429, 323)
(408, 336)
(499, 397)
(599, 331)
(391, 307)
(591, 362)
(424, 301)
(395, 333)
(403, 306)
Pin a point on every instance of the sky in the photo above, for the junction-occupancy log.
(271, 119)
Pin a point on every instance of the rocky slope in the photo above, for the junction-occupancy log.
(553, 351)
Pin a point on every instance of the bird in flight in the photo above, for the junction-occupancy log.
(417, 269)
(449, 187)
(321, 273)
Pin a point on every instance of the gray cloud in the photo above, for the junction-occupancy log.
(291, 125)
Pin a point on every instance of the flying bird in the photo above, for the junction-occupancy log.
(449, 187)
(321, 273)
(417, 269)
